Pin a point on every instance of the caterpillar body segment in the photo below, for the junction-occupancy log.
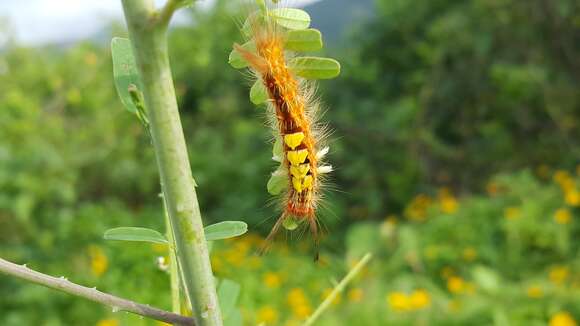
(293, 114)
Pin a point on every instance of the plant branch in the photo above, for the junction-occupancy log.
(174, 276)
(66, 286)
(167, 11)
(149, 42)
(337, 289)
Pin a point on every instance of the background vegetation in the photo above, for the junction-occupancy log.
(456, 129)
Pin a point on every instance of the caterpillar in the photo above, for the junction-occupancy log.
(281, 79)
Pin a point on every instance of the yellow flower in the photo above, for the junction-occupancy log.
(572, 197)
(511, 213)
(235, 256)
(449, 205)
(469, 254)
(272, 280)
(560, 176)
(455, 284)
(559, 274)
(535, 292)
(99, 261)
(254, 262)
(299, 303)
(420, 299)
(399, 301)
(327, 292)
(242, 247)
(296, 297)
(417, 209)
(267, 315)
(355, 295)
(568, 185)
(562, 216)
(391, 220)
(562, 318)
(302, 311)
(108, 322)
(447, 201)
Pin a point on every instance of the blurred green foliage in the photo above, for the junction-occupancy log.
(432, 94)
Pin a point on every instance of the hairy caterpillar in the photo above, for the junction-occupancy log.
(281, 80)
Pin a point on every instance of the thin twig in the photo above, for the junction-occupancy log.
(168, 10)
(337, 289)
(116, 303)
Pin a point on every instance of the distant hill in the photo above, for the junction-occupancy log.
(335, 18)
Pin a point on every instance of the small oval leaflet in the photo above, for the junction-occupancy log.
(134, 234)
(124, 71)
(290, 224)
(228, 292)
(258, 93)
(277, 183)
(236, 60)
(486, 279)
(315, 67)
(278, 150)
(253, 18)
(262, 5)
(291, 18)
(304, 40)
(224, 230)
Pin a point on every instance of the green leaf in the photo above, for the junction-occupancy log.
(224, 230)
(258, 93)
(315, 67)
(304, 40)
(278, 149)
(290, 224)
(236, 60)
(486, 278)
(234, 318)
(291, 18)
(256, 17)
(262, 5)
(277, 183)
(134, 234)
(125, 71)
(228, 292)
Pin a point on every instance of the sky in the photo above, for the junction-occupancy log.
(55, 21)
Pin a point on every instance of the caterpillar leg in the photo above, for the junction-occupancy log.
(268, 242)
(315, 236)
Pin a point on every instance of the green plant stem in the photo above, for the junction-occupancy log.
(168, 10)
(148, 37)
(337, 289)
(173, 268)
(66, 286)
